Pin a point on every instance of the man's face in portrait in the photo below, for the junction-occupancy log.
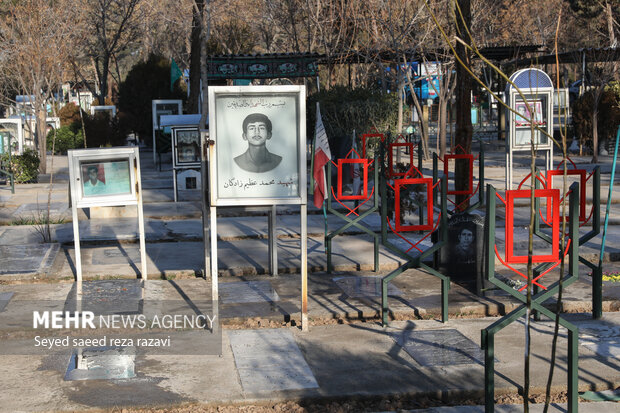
(466, 237)
(256, 133)
(92, 175)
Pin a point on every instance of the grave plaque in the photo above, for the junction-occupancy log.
(248, 292)
(439, 347)
(359, 287)
(462, 257)
(101, 363)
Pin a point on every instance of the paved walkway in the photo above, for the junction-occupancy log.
(264, 356)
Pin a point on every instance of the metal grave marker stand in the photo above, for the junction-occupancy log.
(594, 216)
(536, 111)
(246, 121)
(161, 107)
(547, 263)
(185, 147)
(414, 179)
(470, 192)
(341, 198)
(105, 177)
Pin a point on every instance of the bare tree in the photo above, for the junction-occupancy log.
(115, 26)
(37, 38)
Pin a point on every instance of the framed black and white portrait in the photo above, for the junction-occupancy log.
(186, 146)
(259, 153)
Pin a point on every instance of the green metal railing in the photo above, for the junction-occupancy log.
(488, 334)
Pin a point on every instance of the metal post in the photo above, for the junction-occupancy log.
(435, 175)
(383, 189)
(204, 137)
(144, 274)
(304, 268)
(174, 183)
(213, 239)
(76, 242)
(488, 343)
(273, 241)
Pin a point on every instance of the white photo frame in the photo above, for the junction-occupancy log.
(277, 175)
(104, 176)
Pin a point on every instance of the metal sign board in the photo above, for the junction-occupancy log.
(259, 153)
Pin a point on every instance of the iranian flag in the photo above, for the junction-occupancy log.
(322, 155)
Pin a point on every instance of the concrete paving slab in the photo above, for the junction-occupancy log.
(172, 210)
(269, 360)
(4, 300)
(357, 286)
(603, 338)
(247, 292)
(35, 210)
(444, 347)
(27, 259)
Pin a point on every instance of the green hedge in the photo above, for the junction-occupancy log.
(66, 139)
(344, 110)
(25, 168)
(608, 115)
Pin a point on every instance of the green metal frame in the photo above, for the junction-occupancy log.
(416, 261)
(488, 334)
(597, 282)
(7, 173)
(356, 222)
(481, 181)
(597, 274)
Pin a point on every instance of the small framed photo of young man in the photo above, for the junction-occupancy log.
(260, 137)
(103, 176)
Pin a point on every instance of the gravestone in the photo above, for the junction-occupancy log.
(364, 287)
(107, 297)
(270, 360)
(439, 347)
(247, 292)
(102, 363)
(462, 259)
(24, 259)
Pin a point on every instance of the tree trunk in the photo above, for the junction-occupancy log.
(443, 114)
(463, 105)
(103, 92)
(595, 133)
(194, 59)
(40, 136)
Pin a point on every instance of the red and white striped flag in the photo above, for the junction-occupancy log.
(322, 155)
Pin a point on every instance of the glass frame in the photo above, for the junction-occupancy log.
(233, 184)
(107, 162)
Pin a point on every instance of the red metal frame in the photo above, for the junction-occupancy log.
(582, 189)
(428, 226)
(391, 172)
(370, 135)
(446, 169)
(364, 194)
(553, 199)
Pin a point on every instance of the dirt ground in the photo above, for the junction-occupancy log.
(394, 403)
